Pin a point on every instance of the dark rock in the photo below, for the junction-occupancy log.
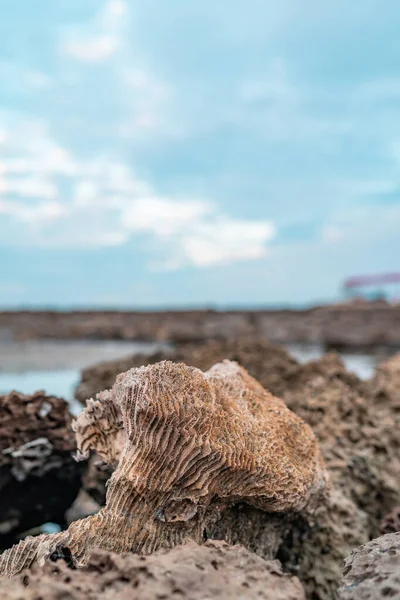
(39, 478)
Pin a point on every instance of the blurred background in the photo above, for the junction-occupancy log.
(238, 159)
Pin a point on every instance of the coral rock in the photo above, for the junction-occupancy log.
(186, 445)
(357, 426)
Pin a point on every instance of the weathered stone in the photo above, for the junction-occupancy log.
(372, 572)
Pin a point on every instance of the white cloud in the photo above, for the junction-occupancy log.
(42, 212)
(113, 14)
(63, 201)
(103, 36)
(225, 241)
(92, 49)
(163, 217)
(33, 187)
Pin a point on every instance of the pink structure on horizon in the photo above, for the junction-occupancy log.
(354, 284)
(363, 280)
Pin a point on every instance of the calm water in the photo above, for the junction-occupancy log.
(55, 366)
(363, 365)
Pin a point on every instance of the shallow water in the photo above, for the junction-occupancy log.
(57, 383)
(55, 366)
(362, 364)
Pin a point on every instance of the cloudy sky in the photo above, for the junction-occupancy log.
(192, 153)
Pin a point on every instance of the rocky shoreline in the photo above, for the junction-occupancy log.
(357, 426)
(366, 326)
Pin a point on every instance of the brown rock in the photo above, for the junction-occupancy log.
(102, 376)
(214, 570)
(357, 425)
(269, 364)
(360, 444)
(372, 572)
(386, 383)
(39, 478)
(186, 445)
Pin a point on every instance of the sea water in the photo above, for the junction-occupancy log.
(55, 366)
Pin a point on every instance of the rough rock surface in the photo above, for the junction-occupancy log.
(391, 522)
(387, 382)
(96, 378)
(192, 572)
(39, 478)
(357, 425)
(186, 446)
(360, 444)
(372, 572)
(269, 364)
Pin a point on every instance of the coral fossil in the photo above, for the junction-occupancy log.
(185, 445)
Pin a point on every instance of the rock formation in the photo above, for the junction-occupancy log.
(269, 364)
(187, 446)
(391, 521)
(189, 572)
(39, 478)
(357, 426)
(372, 572)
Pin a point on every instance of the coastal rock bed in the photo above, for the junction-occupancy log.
(351, 326)
(356, 424)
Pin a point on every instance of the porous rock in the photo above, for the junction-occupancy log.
(39, 478)
(386, 383)
(268, 363)
(359, 440)
(391, 521)
(186, 446)
(372, 572)
(192, 572)
(357, 426)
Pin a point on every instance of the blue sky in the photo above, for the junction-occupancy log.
(189, 153)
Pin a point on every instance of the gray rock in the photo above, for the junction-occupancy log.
(372, 571)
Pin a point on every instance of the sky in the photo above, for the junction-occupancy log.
(229, 153)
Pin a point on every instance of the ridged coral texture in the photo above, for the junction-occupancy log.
(185, 445)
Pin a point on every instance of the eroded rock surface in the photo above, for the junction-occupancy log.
(214, 570)
(357, 424)
(391, 521)
(269, 364)
(186, 446)
(39, 478)
(360, 443)
(372, 572)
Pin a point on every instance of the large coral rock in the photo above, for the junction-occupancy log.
(39, 478)
(186, 446)
(192, 572)
(357, 426)
(372, 572)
